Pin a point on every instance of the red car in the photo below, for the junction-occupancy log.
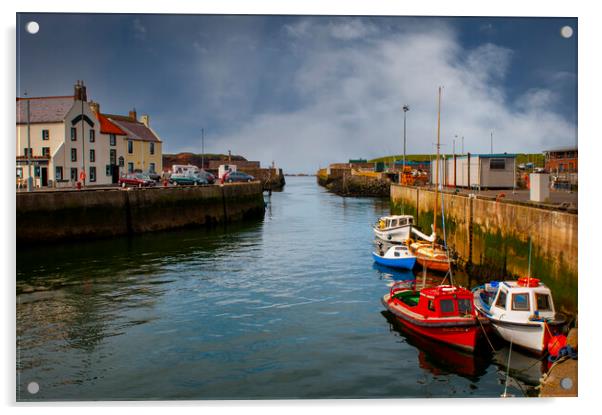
(136, 179)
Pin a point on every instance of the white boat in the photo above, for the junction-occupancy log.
(395, 228)
(396, 256)
(521, 312)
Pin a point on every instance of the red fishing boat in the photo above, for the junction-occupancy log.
(444, 313)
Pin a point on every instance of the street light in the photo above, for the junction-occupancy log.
(29, 177)
(405, 108)
(202, 149)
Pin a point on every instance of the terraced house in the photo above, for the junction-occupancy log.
(62, 140)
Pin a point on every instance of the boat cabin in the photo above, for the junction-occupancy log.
(525, 298)
(438, 302)
(396, 221)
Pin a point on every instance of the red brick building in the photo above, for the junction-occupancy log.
(561, 160)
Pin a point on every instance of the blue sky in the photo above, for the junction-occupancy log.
(308, 90)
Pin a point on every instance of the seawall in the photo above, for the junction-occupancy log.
(493, 237)
(99, 213)
(346, 184)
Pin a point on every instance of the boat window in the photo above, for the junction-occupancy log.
(396, 253)
(402, 222)
(431, 305)
(464, 306)
(520, 302)
(394, 222)
(446, 306)
(501, 300)
(410, 221)
(543, 302)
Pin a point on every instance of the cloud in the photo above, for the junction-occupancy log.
(139, 29)
(347, 82)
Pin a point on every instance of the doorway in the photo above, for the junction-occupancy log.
(44, 176)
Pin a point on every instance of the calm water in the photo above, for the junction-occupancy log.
(288, 307)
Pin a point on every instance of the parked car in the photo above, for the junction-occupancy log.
(206, 175)
(136, 179)
(237, 176)
(153, 175)
(187, 179)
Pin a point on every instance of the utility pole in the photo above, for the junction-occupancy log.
(81, 97)
(462, 144)
(29, 177)
(406, 108)
(454, 148)
(202, 149)
(492, 142)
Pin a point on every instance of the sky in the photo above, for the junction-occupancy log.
(306, 91)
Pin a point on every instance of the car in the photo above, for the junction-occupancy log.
(206, 175)
(237, 176)
(187, 179)
(136, 179)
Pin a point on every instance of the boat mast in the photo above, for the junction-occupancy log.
(437, 168)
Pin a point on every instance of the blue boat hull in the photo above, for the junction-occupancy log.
(405, 263)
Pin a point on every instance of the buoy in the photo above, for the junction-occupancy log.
(555, 344)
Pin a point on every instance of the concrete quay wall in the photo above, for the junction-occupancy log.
(495, 235)
(72, 215)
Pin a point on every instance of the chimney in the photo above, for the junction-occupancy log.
(79, 91)
(145, 119)
(133, 115)
(95, 107)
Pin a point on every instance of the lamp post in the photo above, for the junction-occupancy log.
(405, 108)
(462, 145)
(454, 150)
(202, 149)
(83, 176)
(492, 142)
(29, 177)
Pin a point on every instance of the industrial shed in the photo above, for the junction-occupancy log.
(483, 171)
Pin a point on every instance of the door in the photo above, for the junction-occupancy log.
(115, 173)
(44, 176)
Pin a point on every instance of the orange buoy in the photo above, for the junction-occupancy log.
(555, 344)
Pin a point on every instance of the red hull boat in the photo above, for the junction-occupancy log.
(444, 313)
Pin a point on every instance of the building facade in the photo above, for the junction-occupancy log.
(561, 160)
(483, 171)
(62, 140)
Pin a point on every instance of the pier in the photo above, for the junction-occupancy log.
(97, 213)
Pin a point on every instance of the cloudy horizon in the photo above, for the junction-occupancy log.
(305, 91)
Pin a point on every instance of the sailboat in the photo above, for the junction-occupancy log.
(444, 313)
(430, 254)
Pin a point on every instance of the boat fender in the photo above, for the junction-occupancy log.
(555, 344)
(381, 224)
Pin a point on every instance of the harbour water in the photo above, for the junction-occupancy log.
(285, 307)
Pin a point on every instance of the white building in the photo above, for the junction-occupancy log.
(64, 141)
(483, 171)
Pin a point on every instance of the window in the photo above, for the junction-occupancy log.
(73, 154)
(431, 305)
(446, 306)
(46, 151)
(92, 174)
(464, 306)
(112, 139)
(543, 302)
(520, 302)
(19, 172)
(92, 136)
(152, 148)
(92, 155)
(396, 254)
(152, 167)
(27, 152)
(130, 146)
(73, 174)
(394, 223)
(108, 170)
(501, 300)
(121, 162)
(36, 171)
(113, 156)
(73, 134)
(58, 173)
(45, 134)
(130, 167)
(497, 164)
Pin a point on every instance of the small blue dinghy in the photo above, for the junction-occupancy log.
(396, 256)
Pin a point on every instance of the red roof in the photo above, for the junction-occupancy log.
(107, 127)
